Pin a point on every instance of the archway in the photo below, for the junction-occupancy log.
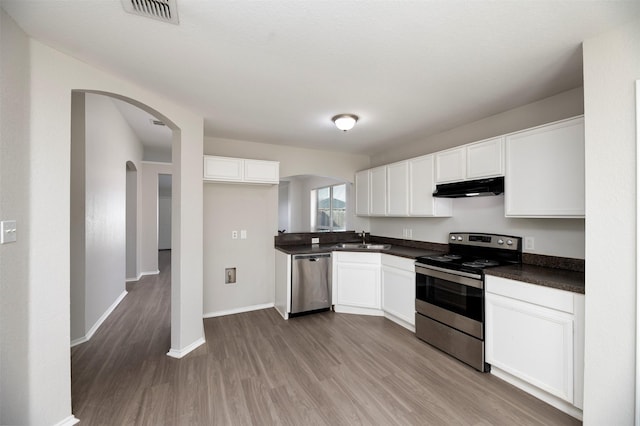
(92, 218)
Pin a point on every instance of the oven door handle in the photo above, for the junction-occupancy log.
(464, 278)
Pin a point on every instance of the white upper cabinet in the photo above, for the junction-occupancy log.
(485, 159)
(240, 170)
(261, 171)
(450, 165)
(398, 189)
(545, 171)
(223, 168)
(421, 187)
(402, 189)
(378, 191)
(473, 161)
(363, 193)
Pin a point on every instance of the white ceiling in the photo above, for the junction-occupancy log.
(277, 71)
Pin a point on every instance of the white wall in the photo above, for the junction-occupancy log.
(254, 208)
(552, 237)
(150, 209)
(555, 237)
(227, 208)
(563, 105)
(16, 403)
(293, 161)
(109, 144)
(611, 66)
(284, 210)
(38, 322)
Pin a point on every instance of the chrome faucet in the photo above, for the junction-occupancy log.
(364, 236)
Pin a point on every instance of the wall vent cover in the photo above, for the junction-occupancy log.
(162, 10)
(157, 122)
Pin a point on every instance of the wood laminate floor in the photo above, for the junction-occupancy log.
(258, 369)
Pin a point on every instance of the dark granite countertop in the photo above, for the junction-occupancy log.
(562, 279)
(396, 250)
(549, 271)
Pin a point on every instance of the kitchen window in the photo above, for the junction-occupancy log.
(329, 208)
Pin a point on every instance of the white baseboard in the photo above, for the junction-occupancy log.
(130, 280)
(237, 310)
(92, 330)
(552, 400)
(71, 420)
(343, 309)
(156, 272)
(179, 353)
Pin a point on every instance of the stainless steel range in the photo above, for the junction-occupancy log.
(450, 293)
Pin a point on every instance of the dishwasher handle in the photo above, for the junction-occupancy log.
(311, 257)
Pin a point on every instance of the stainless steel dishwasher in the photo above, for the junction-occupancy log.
(310, 283)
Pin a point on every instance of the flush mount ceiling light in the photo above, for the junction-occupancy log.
(345, 122)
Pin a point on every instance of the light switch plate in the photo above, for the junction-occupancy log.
(8, 231)
(243, 234)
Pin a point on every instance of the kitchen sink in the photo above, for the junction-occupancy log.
(360, 246)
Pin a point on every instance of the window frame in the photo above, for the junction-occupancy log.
(315, 209)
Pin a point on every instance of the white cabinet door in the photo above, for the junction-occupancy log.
(485, 159)
(545, 171)
(223, 168)
(421, 187)
(261, 171)
(240, 170)
(363, 192)
(399, 289)
(398, 189)
(450, 165)
(535, 340)
(357, 279)
(378, 200)
(359, 285)
(531, 342)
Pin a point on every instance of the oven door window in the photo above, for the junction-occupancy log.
(454, 297)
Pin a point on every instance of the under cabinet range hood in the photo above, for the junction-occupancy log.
(471, 188)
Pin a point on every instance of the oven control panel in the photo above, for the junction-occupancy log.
(506, 242)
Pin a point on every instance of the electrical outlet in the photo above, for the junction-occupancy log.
(234, 235)
(409, 233)
(529, 243)
(315, 240)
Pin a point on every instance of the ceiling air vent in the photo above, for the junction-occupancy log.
(162, 10)
(157, 122)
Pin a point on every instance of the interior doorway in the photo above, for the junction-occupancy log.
(132, 222)
(164, 211)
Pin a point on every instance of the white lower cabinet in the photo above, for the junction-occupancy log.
(399, 290)
(356, 282)
(375, 284)
(535, 340)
